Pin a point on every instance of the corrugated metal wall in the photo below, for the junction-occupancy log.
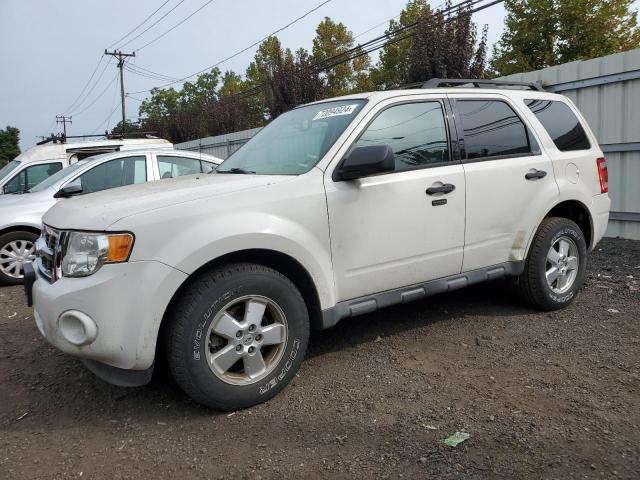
(220, 146)
(607, 92)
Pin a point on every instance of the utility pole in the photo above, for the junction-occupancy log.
(63, 119)
(121, 56)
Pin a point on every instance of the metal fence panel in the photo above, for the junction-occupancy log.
(220, 146)
(607, 92)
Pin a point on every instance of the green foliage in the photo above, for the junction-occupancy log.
(542, 33)
(392, 67)
(279, 79)
(9, 144)
(334, 39)
(129, 128)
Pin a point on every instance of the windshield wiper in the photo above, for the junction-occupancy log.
(236, 170)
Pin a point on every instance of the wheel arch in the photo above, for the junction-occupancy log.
(20, 228)
(577, 212)
(278, 261)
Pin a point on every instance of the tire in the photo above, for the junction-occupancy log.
(199, 332)
(15, 248)
(542, 264)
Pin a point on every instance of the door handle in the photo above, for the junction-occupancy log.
(534, 174)
(446, 188)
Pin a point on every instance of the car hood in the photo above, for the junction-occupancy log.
(97, 211)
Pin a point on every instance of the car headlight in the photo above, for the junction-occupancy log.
(85, 252)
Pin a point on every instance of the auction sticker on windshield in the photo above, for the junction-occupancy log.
(336, 111)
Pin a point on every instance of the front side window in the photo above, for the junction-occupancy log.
(171, 166)
(295, 142)
(112, 174)
(561, 124)
(38, 173)
(492, 129)
(416, 133)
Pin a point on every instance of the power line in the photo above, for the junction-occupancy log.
(152, 25)
(206, 69)
(105, 121)
(139, 25)
(85, 85)
(98, 97)
(95, 84)
(172, 28)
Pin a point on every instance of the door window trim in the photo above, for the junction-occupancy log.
(450, 130)
(463, 151)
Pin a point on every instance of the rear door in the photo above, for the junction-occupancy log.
(510, 180)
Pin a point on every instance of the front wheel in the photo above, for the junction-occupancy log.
(556, 266)
(16, 248)
(237, 336)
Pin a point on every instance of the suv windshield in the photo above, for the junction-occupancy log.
(295, 141)
(8, 168)
(56, 177)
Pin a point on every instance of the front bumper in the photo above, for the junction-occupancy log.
(112, 316)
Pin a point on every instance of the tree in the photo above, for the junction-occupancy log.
(542, 33)
(334, 39)
(282, 80)
(9, 144)
(445, 47)
(391, 69)
(129, 128)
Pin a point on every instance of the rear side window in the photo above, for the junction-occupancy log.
(171, 166)
(492, 129)
(561, 124)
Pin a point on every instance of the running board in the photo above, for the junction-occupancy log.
(371, 303)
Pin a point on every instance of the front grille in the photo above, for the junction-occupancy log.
(48, 248)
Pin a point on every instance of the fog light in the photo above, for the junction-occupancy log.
(77, 328)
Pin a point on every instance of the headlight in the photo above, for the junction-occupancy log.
(84, 252)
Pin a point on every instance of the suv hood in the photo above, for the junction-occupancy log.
(97, 211)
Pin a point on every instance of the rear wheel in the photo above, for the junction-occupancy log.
(556, 266)
(16, 248)
(237, 336)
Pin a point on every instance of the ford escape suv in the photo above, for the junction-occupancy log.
(335, 209)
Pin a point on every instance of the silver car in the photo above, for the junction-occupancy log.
(21, 214)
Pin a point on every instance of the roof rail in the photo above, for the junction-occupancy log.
(477, 82)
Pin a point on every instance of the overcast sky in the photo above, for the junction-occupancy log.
(49, 49)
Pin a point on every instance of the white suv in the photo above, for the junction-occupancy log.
(335, 209)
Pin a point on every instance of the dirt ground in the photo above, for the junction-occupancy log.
(542, 395)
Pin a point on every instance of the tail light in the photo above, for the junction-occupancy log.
(603, 174)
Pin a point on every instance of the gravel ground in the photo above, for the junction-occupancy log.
(542, 395)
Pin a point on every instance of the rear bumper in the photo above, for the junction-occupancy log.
(600, 206)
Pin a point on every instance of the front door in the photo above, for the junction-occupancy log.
(404, 227)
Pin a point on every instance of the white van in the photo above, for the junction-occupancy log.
(41, 161)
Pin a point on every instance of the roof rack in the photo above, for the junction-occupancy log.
(477, 82)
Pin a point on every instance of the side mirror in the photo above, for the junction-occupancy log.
(365, 161)
(68, 191)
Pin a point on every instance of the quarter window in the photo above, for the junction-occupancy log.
(492, 129)
(561, 124)
(172, 166)
(112, 174)
(416, 133)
